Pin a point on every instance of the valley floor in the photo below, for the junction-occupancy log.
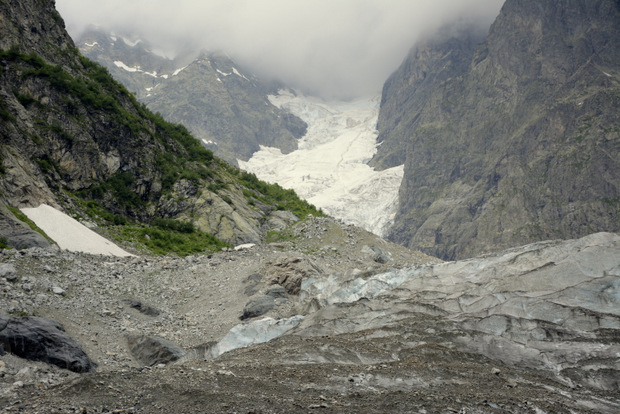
(535, 329)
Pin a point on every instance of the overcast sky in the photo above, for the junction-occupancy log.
(332, 47)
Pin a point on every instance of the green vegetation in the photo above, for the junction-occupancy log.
(5, 115)
(24, 98)
(167, 236)
(275, 194)
(95, 210)
(285, 235)
(4, 243)
(21, 216)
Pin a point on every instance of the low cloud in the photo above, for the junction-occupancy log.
(333, 48)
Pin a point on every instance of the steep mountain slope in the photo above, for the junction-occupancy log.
(72, 137)
(221, 105)
(516, 140)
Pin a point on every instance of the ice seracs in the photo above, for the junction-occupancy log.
(330, 167)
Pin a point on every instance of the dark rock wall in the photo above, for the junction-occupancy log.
(517, 140)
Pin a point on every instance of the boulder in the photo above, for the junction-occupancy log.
(376, 254)
(40, 339)
(289, 271)
(151, 351)
(8, 272)
(257, 307)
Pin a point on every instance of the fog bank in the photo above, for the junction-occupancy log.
(333, 48)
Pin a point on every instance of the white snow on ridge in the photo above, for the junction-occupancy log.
(176, 72)
(121, 65)
(330, 168)
(236, 72)
(130, 43)
(91, 44)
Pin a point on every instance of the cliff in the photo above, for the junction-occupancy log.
(513, 140)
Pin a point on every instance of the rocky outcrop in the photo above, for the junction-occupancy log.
(41, 339)
(220, 103)
(510, 141)
(72, 135)
(18, 234)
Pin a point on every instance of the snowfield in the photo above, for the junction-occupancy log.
(70, 234)
(330, 167)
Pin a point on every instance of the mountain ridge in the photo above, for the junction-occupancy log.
(224, 107)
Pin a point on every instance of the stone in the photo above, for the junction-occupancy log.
(41, 339)
(151, 351)
(376, 254)
(142, 308)
(8, 272)
(58, 290)
(290, 270)
(257, 307)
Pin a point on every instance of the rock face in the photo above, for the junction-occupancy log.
(44, 340)
(224, 107)
(71, 135)
(512, 140)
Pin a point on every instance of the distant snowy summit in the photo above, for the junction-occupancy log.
(223, 105)
(330, 167)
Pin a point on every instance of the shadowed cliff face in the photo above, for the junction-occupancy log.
(512, 141)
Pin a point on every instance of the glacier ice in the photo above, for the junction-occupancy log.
(329, 169)
(255, 332)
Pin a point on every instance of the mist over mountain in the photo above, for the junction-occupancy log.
(344, 49)
(219, 101)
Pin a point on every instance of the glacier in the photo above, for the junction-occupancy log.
(330, 167)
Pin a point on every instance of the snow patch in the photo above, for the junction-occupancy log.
(236, 72)
(223, 73)
(330, 168)
(91, 44)
(121, 65)
(209, 142)
(176, 72)
(70, 234)
(130, 43)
